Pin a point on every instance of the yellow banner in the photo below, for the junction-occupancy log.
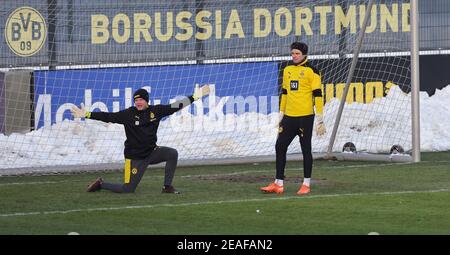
(221, 25)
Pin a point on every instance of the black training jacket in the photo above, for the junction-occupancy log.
(141, 126)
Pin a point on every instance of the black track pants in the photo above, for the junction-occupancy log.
(290, 127)
(135, 169)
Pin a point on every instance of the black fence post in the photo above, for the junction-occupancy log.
(52, 19)
(199, 44)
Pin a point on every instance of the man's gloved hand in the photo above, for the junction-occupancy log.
(201, 92)
(320, 126)
(79, 112)
(280, 118)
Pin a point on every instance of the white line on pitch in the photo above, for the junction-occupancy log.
(31, 183)
(216, 202)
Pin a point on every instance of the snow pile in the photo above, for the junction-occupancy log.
(373, 127)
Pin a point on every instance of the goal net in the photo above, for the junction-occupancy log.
(57, 54)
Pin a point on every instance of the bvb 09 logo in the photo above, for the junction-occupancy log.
(25, 31)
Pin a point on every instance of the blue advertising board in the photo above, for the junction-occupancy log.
(237, 88)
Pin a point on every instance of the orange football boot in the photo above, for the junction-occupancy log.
(273, 188)
(304, 189)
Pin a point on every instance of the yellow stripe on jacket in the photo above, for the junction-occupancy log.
(127, 171)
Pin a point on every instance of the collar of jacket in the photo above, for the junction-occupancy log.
(303, 62)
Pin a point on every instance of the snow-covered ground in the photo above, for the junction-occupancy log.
(373, 127)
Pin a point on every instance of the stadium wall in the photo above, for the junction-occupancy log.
(103, 31)
(434, 72)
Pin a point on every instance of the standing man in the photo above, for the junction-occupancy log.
(301, 91)
(141, 123)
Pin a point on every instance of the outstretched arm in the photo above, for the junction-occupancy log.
(165, 110)
(112, 117)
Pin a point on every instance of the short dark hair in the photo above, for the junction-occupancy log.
(303, 47)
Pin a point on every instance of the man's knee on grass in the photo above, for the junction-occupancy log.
(128, 188)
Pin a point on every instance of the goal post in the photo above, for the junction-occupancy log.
(415, 81)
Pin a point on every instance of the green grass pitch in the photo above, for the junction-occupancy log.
(346, 198)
